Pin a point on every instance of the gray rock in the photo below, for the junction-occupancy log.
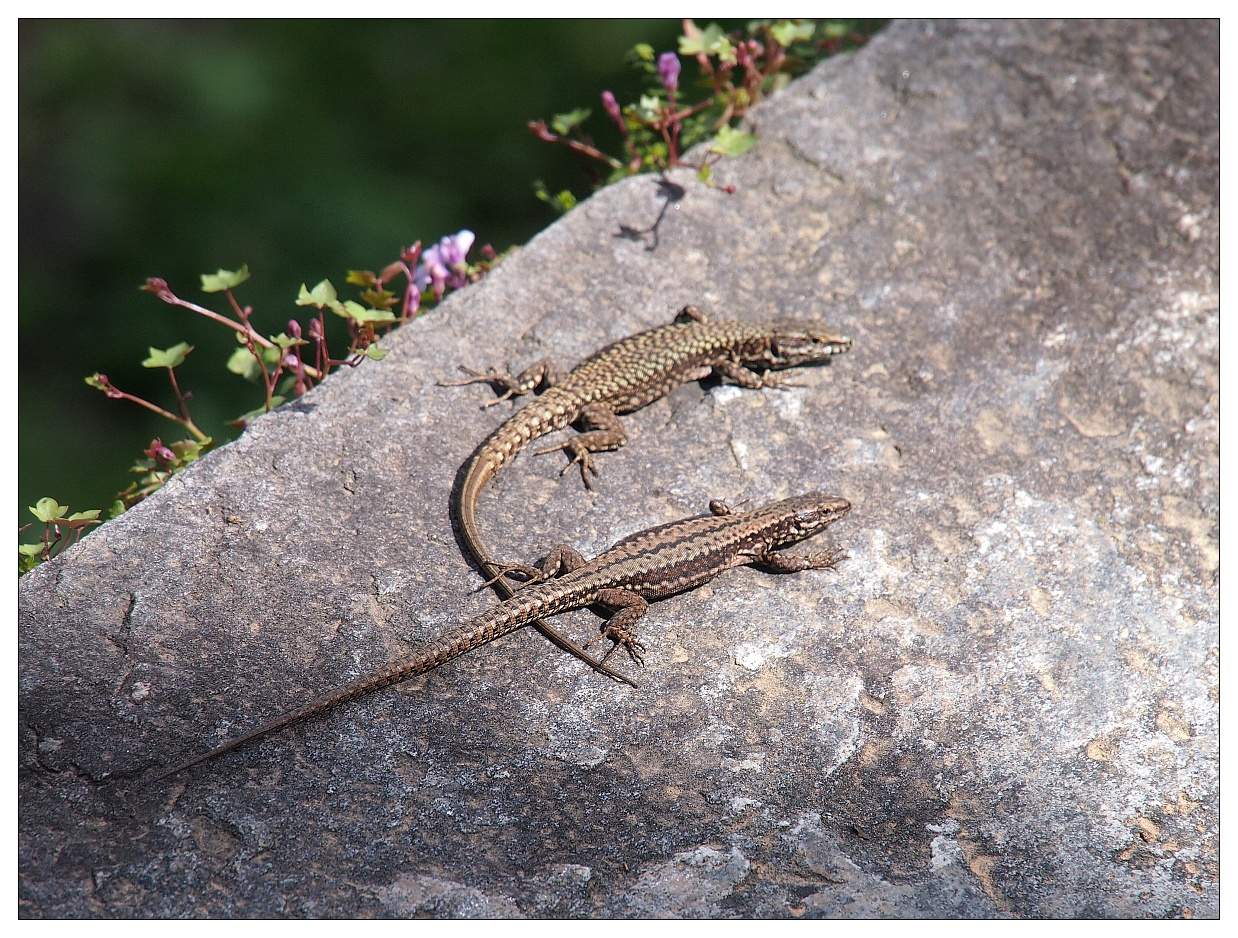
(1004, 703)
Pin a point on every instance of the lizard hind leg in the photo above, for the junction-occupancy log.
(562, 559)
(630, 609)
(603, 433)
(544, 373)
(531, 574)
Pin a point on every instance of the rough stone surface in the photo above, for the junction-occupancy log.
(1004, 703)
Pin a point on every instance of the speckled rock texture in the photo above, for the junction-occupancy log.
(1003, 703)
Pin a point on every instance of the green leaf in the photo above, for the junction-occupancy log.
(168, 358)
(376, 353)
(786, 32)
(322, 295)
(619, 172)
(270, 356)
(284, 342)
(48, 509)
(732, 142)
(29, 550)
(562, 201)
(94, 382)
(644, 51)
(701, 42)
(247, 418)
(359, 314)
(224, 279)
(117, 509)
(711, 41)
(655, 154)
(705, 174)
(361, 278)
(243, 363)
(379, 299)
(91, 515)
(376, 316)
(648, 107)
(188, 450)
(835, 29)
(563, 123)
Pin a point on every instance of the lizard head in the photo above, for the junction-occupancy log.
(814, 511)
(804, 515)
(801, 343)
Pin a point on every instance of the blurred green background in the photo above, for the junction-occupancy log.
(303, 148)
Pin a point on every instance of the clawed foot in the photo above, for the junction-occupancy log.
(579, 455)
(780, 383)
(532, 574)
(477, 377)
(497, 379)
(585, 458)
(621, 637)
(825, 559)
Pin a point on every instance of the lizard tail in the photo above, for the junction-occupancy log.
(479, 470)
(454, 643)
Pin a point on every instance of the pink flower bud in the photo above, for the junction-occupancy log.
(542, 131)
(612, 107)
(160, 453)
(159, 287)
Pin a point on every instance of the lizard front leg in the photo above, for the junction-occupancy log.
(776, 562)
(544, 374)
(603, 433)
(747, 378)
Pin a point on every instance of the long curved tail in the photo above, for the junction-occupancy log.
(479, 470)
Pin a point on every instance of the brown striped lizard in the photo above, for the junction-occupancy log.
(648, 565)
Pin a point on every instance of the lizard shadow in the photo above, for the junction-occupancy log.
(669, 192)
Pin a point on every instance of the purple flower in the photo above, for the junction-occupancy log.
(442, 264)
(453, 248)
(668, 68)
